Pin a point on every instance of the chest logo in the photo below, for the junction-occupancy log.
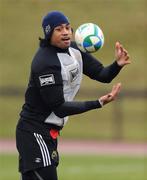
(47, 79)
(74, 74)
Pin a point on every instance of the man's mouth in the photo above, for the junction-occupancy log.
(65, 39)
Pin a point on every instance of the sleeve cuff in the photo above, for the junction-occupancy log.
(101, 103)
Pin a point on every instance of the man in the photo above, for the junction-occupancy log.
(55, 78)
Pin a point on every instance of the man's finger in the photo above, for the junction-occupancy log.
(117, 45)
(116, 89)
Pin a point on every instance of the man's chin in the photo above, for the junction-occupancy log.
(66, 44)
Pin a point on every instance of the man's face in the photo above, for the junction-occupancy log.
(61, 36)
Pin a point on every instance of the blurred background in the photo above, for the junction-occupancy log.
(121, 121)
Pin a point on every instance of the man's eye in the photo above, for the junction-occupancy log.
(58, 29)
(68, 27)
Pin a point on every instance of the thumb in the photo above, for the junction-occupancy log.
(118, 49)
(116, 89)
(117, 45)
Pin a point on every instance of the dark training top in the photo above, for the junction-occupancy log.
(55, 79)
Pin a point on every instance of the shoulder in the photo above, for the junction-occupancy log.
(74, 45)
(75, 50)
(85, 55)
(44, 59)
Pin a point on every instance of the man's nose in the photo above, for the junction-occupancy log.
(65, 31)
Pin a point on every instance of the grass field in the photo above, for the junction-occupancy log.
(98, 124)
(123, 20)
(20, 27)
(85, 168)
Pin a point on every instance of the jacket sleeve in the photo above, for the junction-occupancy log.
(95, 69)
(50, 85)
(75, 107)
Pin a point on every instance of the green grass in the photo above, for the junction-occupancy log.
(123, 20)
(85, 167)
(97, 124)
(104, 168)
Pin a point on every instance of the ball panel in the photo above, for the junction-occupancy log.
(98, 45)
(96, 30)
(87, 42)
(90, 49)
(94, 39)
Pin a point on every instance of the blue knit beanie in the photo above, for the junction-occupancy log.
(52, 20)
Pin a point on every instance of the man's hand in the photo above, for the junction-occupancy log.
(121, 55)
(112, 95)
